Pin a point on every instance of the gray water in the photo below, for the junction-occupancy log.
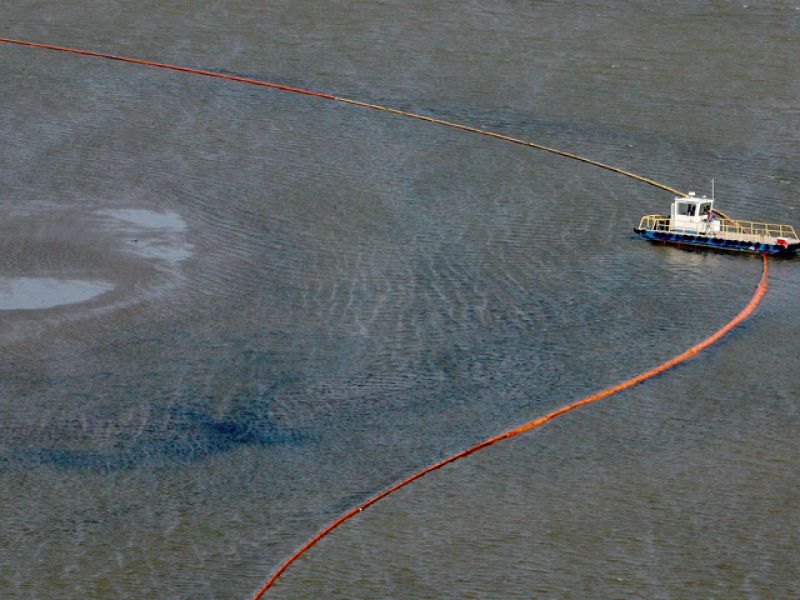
(227, 314)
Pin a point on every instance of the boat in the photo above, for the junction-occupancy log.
(694, 221)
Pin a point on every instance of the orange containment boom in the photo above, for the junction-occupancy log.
(396, 111)
(755, 300)
(743, 314)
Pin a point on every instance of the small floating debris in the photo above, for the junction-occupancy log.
(693, 221)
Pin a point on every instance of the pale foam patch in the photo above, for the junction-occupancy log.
(34, 293)
(148, 218)
(151, 234)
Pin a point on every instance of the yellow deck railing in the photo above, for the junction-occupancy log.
(774, 230)
(729, 226)
(655, 223)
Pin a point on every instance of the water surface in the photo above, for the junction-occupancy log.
(306, 301)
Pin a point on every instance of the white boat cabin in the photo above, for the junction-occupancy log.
(690, 214)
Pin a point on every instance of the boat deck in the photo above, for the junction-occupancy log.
(727, 229)
(723, 234)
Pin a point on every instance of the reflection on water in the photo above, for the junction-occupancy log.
(307, 301)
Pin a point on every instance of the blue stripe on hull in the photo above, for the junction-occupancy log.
(685, 239)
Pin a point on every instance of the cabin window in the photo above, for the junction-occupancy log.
(683, 208)
(705, 207)
(692, 210)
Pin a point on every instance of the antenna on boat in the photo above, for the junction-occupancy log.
(712, 188)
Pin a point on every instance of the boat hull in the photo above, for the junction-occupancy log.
(728, 245)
